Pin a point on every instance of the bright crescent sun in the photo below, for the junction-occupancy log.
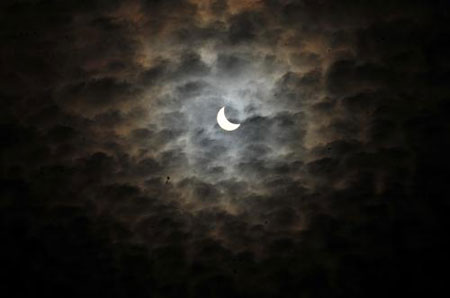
(223, 121)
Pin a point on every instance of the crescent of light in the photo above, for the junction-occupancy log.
(223, 121)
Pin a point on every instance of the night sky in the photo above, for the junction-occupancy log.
(117, 181)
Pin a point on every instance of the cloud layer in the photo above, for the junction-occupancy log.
(117, 181)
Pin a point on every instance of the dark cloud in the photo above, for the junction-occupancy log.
(97, 94)
(231, 65)
(244, 27)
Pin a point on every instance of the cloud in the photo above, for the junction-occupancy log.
(116, 179)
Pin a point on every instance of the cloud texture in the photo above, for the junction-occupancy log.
(116, 180)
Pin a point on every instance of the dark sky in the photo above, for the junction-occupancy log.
(336, 184)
